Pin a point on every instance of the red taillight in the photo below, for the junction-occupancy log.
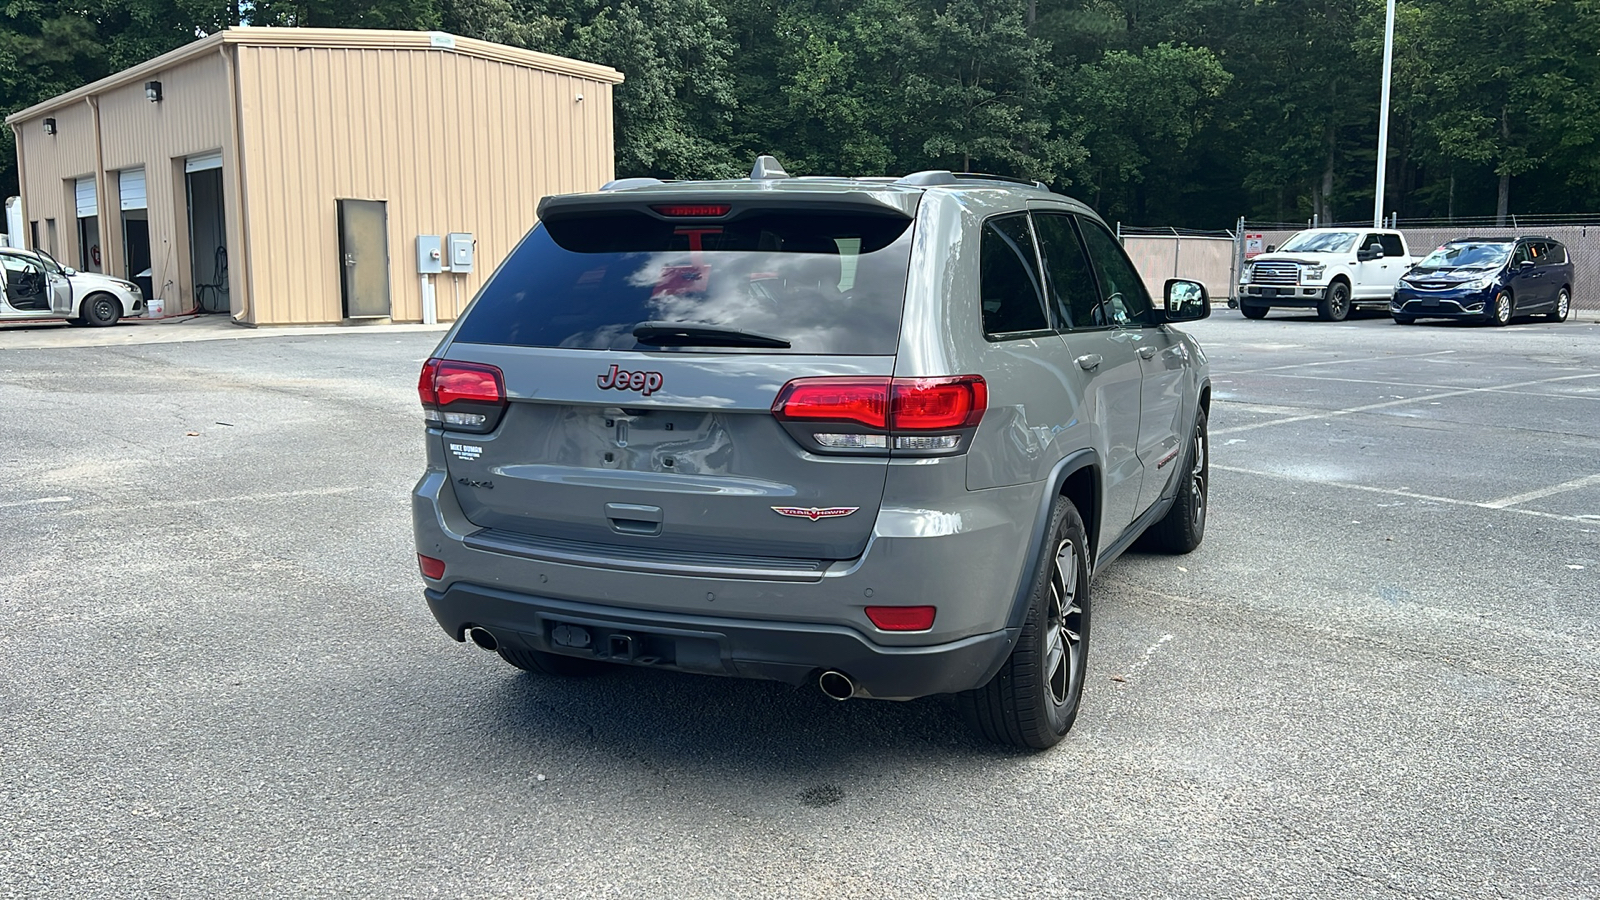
(863, 400)
(432, 569)
(931, 404)
(902, 618)
(865, 413)
(454, 381)
(693, 210)
(481, 387)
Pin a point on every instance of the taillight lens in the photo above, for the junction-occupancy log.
(861, 400)
(476, 392)
(902, 618)
(875, 414)
(932, 404)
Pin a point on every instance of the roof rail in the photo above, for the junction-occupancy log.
(622, 184)
(937, 177)
(767, 168)
(928, 178)
(983, 176)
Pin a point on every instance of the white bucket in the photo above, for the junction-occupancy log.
(154, 308)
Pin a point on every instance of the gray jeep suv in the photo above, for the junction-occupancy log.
(872, 433)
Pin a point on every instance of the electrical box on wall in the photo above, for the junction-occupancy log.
(430, 254)
(458, 246)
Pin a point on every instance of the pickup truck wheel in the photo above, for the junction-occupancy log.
(1504, 306)
(1254, 312)
(1033, 700)
(1335, 305)
(1562, 307)
(1184, 526)
(542, 663)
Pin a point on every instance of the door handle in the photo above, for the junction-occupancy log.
(1089, 362)
(1147, 352)
(349, 259)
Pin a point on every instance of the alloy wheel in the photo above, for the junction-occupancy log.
(1197, 477)
(1502, 308)
(1063, 664)
(1563, 305)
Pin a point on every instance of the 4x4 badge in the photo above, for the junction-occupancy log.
(800, 512)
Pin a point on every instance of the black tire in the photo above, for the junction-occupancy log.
(1254, 312)
(1558, 313)
(1405, 320)
(76, 322)
(1184, 526)
(1502, 309)
(542, 663)
(100, 310)
(1033, 700)
(1335, 303)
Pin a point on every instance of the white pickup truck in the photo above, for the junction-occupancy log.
(1333, 270)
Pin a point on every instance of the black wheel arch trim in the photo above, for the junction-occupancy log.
(1054, 482)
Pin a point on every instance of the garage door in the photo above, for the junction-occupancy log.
(84, 190)
(203, 162)
(131, 182)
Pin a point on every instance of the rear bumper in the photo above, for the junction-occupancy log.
(780, 651)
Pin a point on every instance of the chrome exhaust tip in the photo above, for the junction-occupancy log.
(837, 685)
(483, 639)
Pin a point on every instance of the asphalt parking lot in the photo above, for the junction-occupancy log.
(1380, 675)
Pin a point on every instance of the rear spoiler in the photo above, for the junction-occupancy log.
(739, 198)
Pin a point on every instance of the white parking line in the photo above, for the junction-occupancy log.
(1420, 398)
(1427, 387)
(12, 503)
(1573, 485)
(1341, 362)
(1410, 495)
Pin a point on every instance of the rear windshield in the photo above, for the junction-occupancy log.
(827, 283)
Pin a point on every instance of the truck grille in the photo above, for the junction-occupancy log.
(1275, 273)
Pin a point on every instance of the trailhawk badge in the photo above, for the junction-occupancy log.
(829, 512)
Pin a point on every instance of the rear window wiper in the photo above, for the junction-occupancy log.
(690, 334)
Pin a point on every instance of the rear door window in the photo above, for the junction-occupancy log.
(1068, 278)
(1012, 297)
(824, 282)
(1392, 245)
(1556, 254)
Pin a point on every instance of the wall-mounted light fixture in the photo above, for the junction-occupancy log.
(49, 126)
(152, 91)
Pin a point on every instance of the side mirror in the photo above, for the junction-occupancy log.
(69, 271)
(1271, 247)
(1373, 251)
(1186, 300)
(1525, 265)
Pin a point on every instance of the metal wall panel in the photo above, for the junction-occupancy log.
(51, 165)
(451, 141)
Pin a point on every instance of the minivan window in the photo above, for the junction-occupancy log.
(824, 282)
(1069, 280)
(1013, 304)
(1557, 254)
(1121, 288)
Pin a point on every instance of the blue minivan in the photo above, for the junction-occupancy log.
(1489, 280)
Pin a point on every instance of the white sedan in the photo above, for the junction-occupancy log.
(38, 287)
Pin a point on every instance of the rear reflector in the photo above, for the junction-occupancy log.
(693, 210)
(902, 618)
(432, 569)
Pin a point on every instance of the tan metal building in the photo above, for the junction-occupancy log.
(285, 175)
